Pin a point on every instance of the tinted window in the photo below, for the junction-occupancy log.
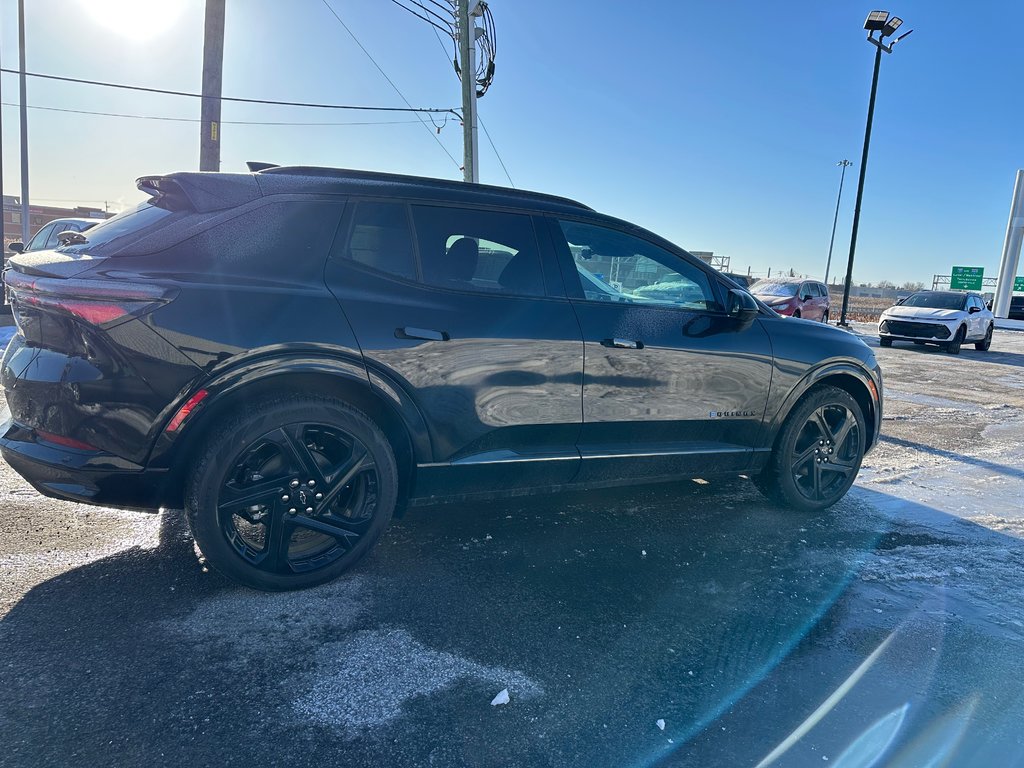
(614, 266)
(478, 250)
(380, 239)
(936, 300)
(141, 219)
(823, 289)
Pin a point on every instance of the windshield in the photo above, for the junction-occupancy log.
(936, 300)
(774, 289)
(143, 217)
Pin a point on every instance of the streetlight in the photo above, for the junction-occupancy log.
(828, 264)
(885, 25)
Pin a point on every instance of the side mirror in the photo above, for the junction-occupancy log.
(972, 310)
(17, 246)
(741, 306)
(805, 297)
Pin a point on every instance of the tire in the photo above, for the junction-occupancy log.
(291, 492)
(953, 347)
(824, 317)
(817, 453)
(796, 313)
(884, 342)
(986, 343)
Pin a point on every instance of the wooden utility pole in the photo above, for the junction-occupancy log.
(213, 68)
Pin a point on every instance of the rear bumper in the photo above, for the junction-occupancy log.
(88, 477)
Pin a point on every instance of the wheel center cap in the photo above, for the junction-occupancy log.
(303, 498)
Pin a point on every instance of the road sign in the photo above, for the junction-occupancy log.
(1018, 285)
(966, 278)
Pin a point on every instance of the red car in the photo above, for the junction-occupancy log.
(808, 299)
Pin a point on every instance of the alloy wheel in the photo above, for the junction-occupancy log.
(826, 452)
(298, 498)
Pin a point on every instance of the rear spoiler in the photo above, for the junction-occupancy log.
(201, 192)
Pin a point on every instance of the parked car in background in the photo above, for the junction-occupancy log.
(946, 318)
(47, 236)
(431, 339)
(1016, 311)
(743, 281)
(808, 299)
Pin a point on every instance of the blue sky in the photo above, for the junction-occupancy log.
(718, 125)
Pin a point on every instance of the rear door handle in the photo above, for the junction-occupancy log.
(623, 343)
(427, 334)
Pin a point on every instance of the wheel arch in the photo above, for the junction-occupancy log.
(384, 403)
(847, 377)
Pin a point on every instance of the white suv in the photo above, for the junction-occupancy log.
(946, 318)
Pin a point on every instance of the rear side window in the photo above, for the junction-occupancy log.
(486, 251)
(126, 227)
(823, 290)
(380, 238)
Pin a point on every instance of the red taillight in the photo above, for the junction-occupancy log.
(185, 410)
(98, 302)
(66, 442)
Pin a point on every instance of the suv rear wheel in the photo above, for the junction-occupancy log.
(291, 492)
(986, 343)
(818, 452)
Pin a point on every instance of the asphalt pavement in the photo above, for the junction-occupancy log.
(691, 624)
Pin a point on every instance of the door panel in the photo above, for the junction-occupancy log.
(497, 374)
(683, 390)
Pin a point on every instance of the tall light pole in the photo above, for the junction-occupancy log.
(26, 228)
(842, 176)
(884, 25)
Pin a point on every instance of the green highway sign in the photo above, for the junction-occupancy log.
(1018, 285)
(966, 278)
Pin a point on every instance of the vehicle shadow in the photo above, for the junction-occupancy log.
(964, 458)
(601, 612)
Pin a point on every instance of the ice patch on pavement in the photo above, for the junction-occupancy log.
(366, 679)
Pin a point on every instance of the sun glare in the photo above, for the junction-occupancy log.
(137, 19)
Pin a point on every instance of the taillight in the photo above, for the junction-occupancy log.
(65, 442)
(97, 302)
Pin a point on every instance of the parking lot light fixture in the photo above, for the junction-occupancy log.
(877, 21)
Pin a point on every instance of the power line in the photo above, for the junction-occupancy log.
(237, 99)
(424, 18)
(496, 154)
(197, 120)
(391, 83)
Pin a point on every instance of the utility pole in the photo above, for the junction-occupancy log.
(26, 230)
(467, 57)
(828, 264)
(213, 68)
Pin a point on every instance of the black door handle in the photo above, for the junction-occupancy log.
(622, 343)
(427, 334)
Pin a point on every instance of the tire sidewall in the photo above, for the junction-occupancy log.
(223, 450)
(787, 487)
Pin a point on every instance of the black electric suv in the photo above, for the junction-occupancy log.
(292, 354)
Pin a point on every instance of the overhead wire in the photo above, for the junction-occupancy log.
(197, 120)
(390, 82)
(418, 16)
(235, 99)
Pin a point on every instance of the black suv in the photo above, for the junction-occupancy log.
(293, 354)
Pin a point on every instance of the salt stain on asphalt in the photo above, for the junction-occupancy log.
(363, 678)
(366, 679)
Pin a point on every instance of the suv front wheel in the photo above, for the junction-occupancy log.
(290, 493)
(818, 452)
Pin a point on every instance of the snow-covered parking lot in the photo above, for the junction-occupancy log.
(691, 624)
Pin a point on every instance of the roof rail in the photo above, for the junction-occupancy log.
(351, 173)
(255, 166)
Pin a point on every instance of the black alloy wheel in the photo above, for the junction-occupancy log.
(292, 493)
(824, 317)
(986, 343)
(818, 452)
(953, 347)
(884, 342)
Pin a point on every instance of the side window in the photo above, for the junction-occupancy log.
(379, 238)
(36, 243)
(823, 290)
(476, 250)
(51, 241)
(614, 266)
